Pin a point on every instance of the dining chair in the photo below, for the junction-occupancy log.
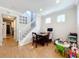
(46, 39)
(40, 40)
(34, 39)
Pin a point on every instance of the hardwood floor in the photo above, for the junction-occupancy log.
(10, 49)
(9, 41)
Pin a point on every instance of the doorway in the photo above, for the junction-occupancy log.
(9, 27)
(8, 31)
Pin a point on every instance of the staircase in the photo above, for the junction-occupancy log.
(24, 32)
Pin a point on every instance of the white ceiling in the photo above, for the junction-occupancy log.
(35, 5)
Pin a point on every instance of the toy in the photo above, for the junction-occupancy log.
(72, 53)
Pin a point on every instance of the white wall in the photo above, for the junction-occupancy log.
(1, 36)
(61, 29)
(78, 21)
(24, 26)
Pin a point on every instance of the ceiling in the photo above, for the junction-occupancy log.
(35, 5)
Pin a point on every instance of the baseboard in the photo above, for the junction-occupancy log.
(24, 43)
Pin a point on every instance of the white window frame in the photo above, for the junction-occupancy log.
(61, 18)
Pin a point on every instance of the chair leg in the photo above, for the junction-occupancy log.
(47, 44)
(36, 45)
(33, 43)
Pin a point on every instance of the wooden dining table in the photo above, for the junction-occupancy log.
(42, 34)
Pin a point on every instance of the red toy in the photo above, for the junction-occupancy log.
(72, 54)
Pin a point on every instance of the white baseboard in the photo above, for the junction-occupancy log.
(24, 43)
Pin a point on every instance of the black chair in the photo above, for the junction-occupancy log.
(46, 39)
(49, 33)
(50, 29)
(73, 37)
(40, 39)
(34, 39)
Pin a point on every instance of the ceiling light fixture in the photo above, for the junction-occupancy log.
(9, 16)
(57, 1)
(41, 9)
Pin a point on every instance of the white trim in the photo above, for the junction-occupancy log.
(9, 10)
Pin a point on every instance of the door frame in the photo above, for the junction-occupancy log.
(15, 29)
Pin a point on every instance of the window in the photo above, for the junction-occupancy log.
(61, 18)
(48, 20)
